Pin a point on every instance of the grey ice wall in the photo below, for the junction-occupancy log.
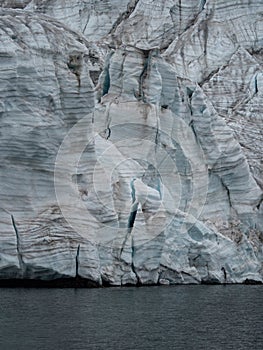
(130, 141)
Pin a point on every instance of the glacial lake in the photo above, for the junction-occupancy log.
(180, 317)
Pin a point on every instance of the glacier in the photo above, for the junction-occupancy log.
(131, 141)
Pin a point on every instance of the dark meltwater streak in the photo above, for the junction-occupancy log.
(181, 317)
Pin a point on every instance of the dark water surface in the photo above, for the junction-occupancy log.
(180, 317)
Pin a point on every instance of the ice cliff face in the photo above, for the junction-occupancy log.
(131, 136)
